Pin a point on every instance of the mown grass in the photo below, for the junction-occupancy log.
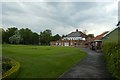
(43, 61)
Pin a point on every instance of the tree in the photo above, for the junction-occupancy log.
(45, 37)
(85, 31)
(64, 36)
(9, 32)
(2, 35)
(90, 35)
(26, 35)
(35, 39)
(15, 39)
(56, 37)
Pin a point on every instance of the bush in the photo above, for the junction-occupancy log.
(6, 65)
(13, 68)
(112, 55)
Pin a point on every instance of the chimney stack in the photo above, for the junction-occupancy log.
(76, 30)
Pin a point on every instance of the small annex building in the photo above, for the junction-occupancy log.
(113, 36)
(96, 42)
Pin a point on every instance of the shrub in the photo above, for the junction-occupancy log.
(112, 55)
(13, 68)
(5, 64)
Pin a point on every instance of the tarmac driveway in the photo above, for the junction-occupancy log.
(93, 66)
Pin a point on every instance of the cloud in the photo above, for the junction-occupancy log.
(60, 0)
(60, 17)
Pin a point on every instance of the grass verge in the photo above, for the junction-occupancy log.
(43, 61)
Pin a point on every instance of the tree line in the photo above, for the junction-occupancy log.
(26, 36)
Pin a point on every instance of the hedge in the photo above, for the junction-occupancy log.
(12, 73)
(112, 55)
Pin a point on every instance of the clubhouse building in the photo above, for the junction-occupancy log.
(76, 38)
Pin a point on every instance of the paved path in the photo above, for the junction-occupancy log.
(92, 66)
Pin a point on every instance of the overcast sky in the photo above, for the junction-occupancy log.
(61, 17)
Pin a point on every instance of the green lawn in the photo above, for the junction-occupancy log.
(43, 61)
